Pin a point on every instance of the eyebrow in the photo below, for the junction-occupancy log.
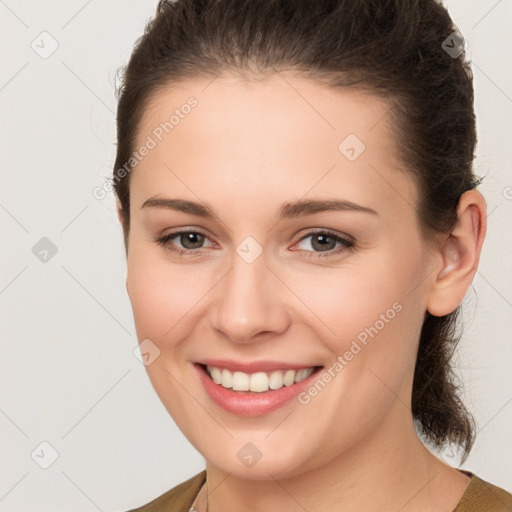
(288, 210)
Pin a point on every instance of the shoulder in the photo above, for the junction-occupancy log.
(482, 495)
(177, 499)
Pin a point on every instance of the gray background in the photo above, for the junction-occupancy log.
(68, 375)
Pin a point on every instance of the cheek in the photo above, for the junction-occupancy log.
(344, 302)
(168, 300)
(366, 314)
(159, 295)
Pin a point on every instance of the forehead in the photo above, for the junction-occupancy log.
(284, 135)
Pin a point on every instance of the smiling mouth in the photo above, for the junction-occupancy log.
(259, 382)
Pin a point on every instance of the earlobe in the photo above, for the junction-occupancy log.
(460, 255)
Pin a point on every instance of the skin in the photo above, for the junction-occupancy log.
(244, 150)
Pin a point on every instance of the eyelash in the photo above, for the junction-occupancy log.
(347, 244)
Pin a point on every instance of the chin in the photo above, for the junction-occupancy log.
(257, 460)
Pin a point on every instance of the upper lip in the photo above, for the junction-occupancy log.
(254, 366)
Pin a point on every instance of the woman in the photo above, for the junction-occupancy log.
(301, 224)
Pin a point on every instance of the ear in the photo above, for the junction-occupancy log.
(118, 210)
(459, 255)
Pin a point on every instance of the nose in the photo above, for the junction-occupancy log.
(249, 302)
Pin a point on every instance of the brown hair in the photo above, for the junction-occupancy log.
(391, 48)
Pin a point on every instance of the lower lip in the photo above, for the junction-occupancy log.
(252, 404)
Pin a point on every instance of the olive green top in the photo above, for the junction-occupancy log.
(480, 496)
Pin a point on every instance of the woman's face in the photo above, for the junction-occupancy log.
(259, 286)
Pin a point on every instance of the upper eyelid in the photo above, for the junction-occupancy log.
(329, 232)
(175, 234)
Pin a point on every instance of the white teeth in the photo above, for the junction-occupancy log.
(257, 382)
(240, 381)
(275, 381)
(216, 375)
(289, 377)
(303, 373)
(226, 379)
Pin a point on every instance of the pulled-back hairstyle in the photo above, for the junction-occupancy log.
(395, 49)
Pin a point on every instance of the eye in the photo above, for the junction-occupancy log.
(325, 241)
(190, 240)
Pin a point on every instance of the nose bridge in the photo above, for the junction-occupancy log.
(248, 301)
